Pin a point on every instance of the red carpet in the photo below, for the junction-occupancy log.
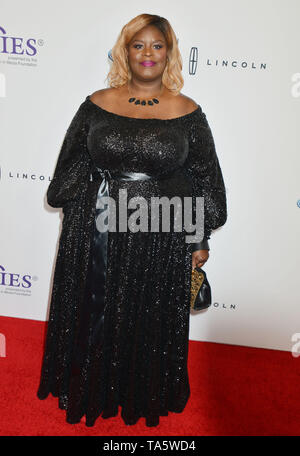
(235, 390)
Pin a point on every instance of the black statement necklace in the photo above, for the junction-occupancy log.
(143, 102)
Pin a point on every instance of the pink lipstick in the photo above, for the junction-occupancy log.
(148, 63)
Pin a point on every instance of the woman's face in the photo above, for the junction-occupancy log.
(147, 53)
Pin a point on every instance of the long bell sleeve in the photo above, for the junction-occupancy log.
(73, 164)
(204, 169)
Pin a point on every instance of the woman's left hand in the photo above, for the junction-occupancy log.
(199, 258)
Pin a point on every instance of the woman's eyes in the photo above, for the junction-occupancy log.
(157, 46)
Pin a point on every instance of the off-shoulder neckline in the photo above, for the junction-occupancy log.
(88, 99)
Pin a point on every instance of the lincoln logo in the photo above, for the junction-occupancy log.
(193, 60)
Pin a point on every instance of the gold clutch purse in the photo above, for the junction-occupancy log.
(200, 290)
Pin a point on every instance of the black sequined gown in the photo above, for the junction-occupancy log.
(123, 340)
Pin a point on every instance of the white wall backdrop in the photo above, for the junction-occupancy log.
(247, 81)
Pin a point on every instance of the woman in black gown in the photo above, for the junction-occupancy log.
(118, 327)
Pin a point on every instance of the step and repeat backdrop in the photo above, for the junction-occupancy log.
(241, 63)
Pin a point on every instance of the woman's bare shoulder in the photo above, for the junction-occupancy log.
(184, 105)
(187, 102)
(103, 95)
(108, 98)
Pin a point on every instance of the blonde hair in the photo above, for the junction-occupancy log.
(120, 73)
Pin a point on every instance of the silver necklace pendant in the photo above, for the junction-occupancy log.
(137, 101)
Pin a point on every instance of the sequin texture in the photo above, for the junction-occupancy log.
(140, 364)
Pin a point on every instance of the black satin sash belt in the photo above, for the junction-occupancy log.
(93, 309)
(92, 333)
